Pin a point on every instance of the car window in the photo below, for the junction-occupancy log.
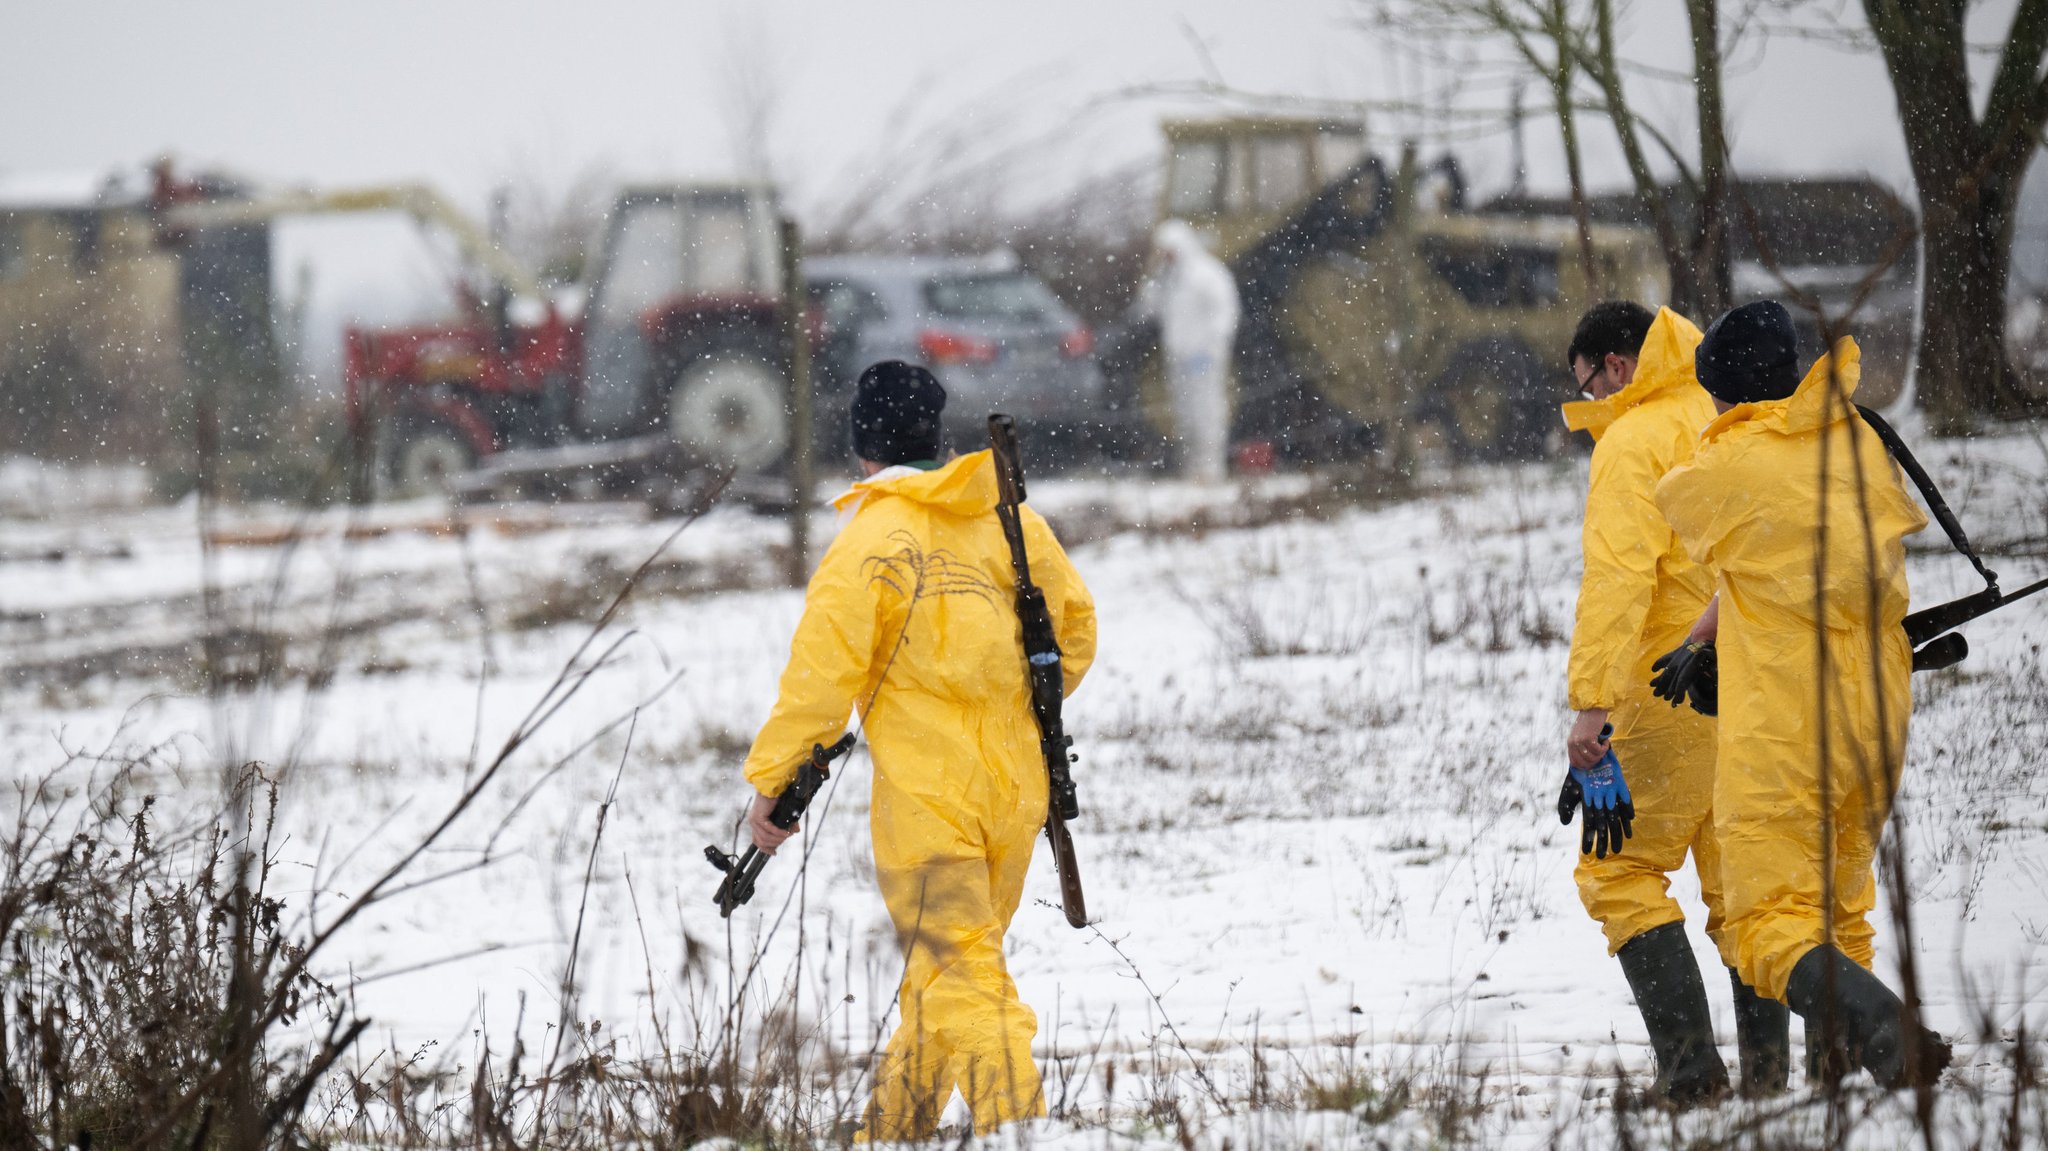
(842, 306)
(1338, 151)
(720, 258)
(994, 296)
(646, 260)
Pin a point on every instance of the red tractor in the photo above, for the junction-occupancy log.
(680, 347)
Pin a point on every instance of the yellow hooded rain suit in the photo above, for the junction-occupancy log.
(1800, 513)
(911, 620)
(1637, 600)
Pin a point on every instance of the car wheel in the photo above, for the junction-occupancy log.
(730, 411)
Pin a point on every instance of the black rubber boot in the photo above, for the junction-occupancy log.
(1869, 1020)
(1826, 1066)
(1666, 980)
(1763, 1032)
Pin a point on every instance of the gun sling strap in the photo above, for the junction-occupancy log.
(1926, 628)
(1928, 492)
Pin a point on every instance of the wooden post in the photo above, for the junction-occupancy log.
(803, 482)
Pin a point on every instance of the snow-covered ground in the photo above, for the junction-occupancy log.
(1320, 753)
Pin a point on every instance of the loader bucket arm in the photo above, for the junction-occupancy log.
(422, 203)
(1329, 221)
(1333, 220)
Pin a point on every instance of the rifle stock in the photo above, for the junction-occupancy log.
(1042, 667)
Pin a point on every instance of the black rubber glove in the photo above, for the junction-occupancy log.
(1569, 797)
(1690, 673)
(1705, 693)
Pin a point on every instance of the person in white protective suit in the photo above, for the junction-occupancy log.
(1194, 299)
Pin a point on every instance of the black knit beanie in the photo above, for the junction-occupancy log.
(896, 409)
(1750, 354)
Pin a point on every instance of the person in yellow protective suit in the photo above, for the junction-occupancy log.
(1797, 508)
(1638, 599)
(910, 620)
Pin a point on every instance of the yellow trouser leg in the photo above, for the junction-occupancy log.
(1860, 812)
(913, 1083)
(951, 888)
(1667, 757)
(1706, 860)
(1779, 836)
(999, 1077)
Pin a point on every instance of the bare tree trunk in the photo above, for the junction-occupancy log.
(1967, 172)
(1560, 78)
(1962, 367)
(1605, 70)
(1711, 259)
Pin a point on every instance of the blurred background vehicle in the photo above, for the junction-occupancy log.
(1376, 306)
(993, 333)
(142, 299)
(679, 347)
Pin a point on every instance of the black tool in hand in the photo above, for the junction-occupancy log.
(741, 872)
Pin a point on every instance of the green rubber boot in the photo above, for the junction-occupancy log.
(1763, 1033)
(1826, 1065)
(1669, 992)
(1868, 1019)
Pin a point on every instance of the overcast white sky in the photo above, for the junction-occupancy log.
(467, 93)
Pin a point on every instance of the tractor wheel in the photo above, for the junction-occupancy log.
(420, 455)
(729, 410)
(1496, 402)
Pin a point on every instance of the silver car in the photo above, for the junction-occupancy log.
(993, 333)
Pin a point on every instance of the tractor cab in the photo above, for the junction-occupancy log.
(680, 332)
(1237, 178)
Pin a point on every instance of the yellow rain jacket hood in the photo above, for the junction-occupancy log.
(1638, 598)
(1758, 513)
(1801, 514)
(910, 621)
(1640, 592)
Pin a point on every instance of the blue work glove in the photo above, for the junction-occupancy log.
(1610, 811)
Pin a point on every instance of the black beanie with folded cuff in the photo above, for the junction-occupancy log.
(1750, 354)
(896, 409)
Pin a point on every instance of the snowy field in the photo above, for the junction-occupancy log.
(1320, 753)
